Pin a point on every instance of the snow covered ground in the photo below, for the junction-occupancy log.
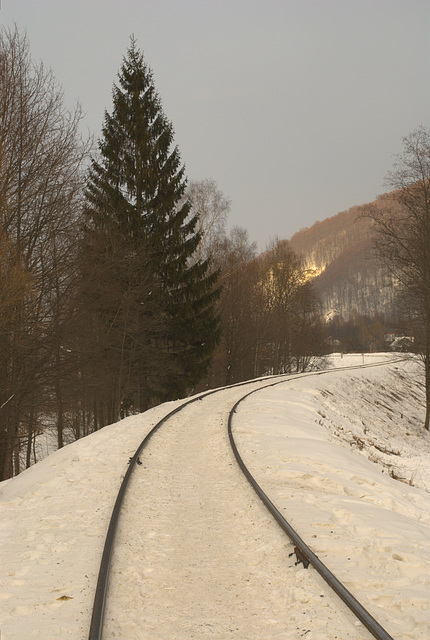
(343, 455)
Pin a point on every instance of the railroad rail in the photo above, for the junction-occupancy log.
(303, 552)
(301, 548)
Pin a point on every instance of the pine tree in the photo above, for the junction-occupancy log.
(136, 189)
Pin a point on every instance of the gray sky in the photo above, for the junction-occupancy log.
(294, 107)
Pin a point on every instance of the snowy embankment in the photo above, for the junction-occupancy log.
(327, 449)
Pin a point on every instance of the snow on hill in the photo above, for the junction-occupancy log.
(343, 455)
(347, 276)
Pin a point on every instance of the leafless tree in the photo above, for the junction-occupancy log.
(212, 208)
(401, 221)
(270, 317)
(233, 358)
(293, 335)
(41, 179)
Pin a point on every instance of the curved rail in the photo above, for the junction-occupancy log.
(96, 625)
(303, 550)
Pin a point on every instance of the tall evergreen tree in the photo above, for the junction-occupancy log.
(136, 189)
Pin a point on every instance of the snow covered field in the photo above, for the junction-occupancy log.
(343, 455)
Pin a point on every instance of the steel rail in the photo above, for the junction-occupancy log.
(96, 626)
(97, 617)
(352, 603)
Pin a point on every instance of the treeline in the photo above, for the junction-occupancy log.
(120, 287)
(42, 158)
(270, 315)
(104, 308)
(362, 333)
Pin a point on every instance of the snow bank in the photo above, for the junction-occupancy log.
(327, 450)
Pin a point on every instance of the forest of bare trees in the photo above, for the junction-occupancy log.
(121, 284)
(42, 157)
(85, 332)
(270, 315)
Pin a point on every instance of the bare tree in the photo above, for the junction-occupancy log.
(211, 207)
(401, 221)
(270, 315)
(233, 358)
(293, 334)
(237, 309)
(41, 179)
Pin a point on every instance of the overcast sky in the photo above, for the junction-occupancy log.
(294, 107)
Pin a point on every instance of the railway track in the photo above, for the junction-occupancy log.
(146, 544)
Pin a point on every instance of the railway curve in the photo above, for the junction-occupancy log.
(96, 628)
(303, 552)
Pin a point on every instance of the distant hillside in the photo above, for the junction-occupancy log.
(338, 254)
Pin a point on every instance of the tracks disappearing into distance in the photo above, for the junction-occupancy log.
(96, 628)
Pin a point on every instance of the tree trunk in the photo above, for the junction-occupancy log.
(30, 433)
(427, 380)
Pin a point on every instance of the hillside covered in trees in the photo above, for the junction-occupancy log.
(338, 256)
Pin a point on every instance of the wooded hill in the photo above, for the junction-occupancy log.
(338, 256)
